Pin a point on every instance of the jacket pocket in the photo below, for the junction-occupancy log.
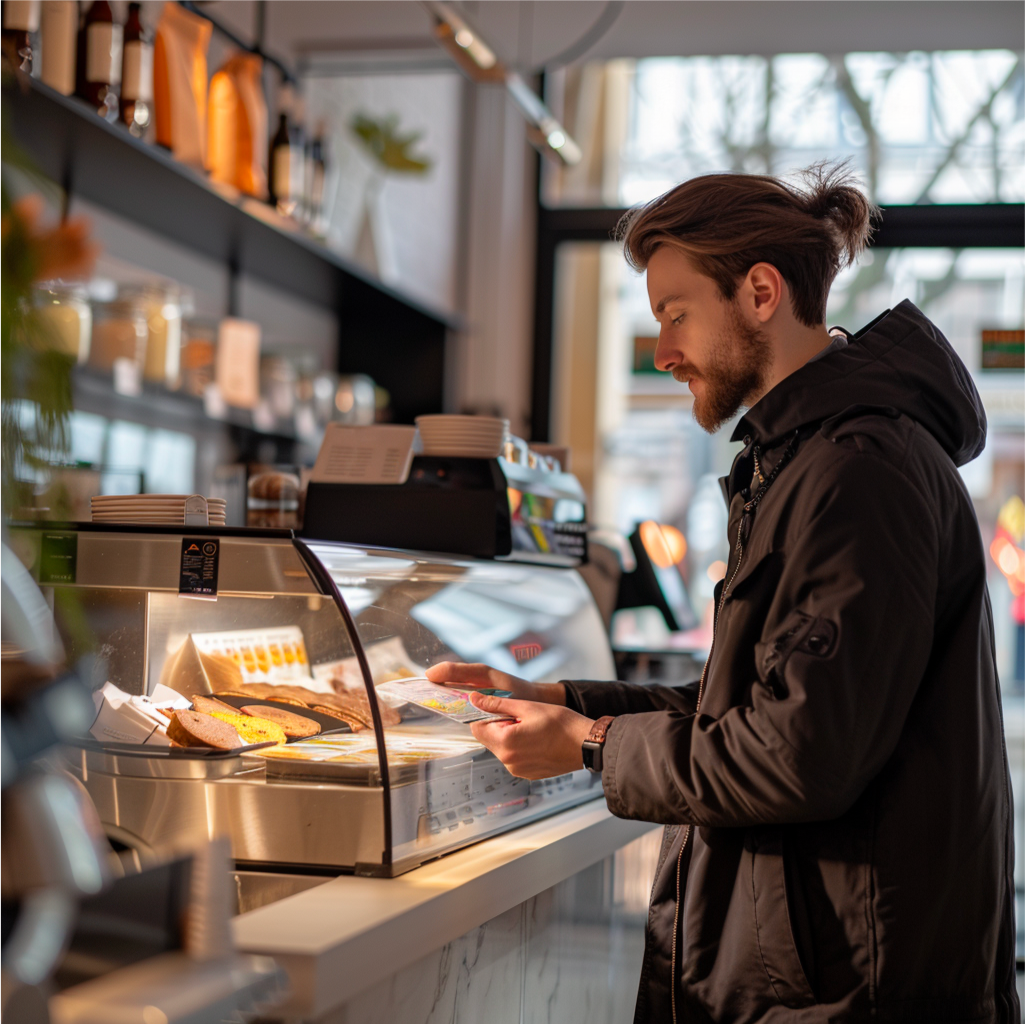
(773, 925)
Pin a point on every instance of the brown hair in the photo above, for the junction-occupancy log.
(727, 223)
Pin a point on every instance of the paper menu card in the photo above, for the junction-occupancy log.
(447, 701)
(378, 454)
(237, 368)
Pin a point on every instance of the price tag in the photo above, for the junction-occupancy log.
(198, 576)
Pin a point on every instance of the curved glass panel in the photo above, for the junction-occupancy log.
(411, 612)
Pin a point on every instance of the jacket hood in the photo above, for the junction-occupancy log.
(900, 361)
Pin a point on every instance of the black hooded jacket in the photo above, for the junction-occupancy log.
(839, 843)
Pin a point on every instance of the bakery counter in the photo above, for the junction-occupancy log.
(544, 923)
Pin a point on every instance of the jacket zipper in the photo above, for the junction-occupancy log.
(697, 707)
(749, 507)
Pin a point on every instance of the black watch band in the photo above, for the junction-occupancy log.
(593, 748)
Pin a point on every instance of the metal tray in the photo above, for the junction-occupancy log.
(328, 723)
(161, 762)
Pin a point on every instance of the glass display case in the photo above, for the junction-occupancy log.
(329, 631)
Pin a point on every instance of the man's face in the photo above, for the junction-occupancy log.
(705, 341)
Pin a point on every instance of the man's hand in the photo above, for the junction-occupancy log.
(545, 740)
(476, 675)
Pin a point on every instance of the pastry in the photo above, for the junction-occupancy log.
(204, 703)
(351, 721)
(252, 729)
(197, 729)
(293, 725)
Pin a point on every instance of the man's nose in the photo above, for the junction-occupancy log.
(666, 356)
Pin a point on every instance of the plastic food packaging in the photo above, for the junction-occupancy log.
(179, 83)
(238, 126)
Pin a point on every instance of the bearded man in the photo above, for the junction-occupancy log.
(838, 842)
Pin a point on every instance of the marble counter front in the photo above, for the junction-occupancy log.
(544, 923)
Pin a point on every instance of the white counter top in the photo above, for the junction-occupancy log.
(339, 938)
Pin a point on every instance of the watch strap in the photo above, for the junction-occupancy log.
(600, 729)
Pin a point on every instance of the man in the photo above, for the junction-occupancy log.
(835, 787)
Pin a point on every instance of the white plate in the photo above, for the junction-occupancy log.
(145, 500)
(151, 494)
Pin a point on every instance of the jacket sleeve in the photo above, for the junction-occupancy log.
(844, 649)
(597, 698)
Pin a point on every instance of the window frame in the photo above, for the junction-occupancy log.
(952, 226)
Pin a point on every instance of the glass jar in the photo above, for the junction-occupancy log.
(120, 330)
(164, 328)
(278, 385)
(198, 355)
(65, 319)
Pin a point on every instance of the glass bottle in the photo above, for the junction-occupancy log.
(136, 74)
(20, 23)
(287, 159)
(316, 170)
(100, 55)
(59, 34)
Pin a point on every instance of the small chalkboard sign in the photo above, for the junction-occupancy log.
(198, 574)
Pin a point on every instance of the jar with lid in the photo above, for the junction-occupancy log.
(120, 329)
(65, 319)
(198, 355)
(273, 500)
(164, 307)
(278, 385)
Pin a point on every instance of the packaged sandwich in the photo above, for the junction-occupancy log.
(179, 83)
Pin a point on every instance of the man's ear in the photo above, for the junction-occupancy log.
(763, 290)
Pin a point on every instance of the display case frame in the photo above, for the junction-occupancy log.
(402, 808)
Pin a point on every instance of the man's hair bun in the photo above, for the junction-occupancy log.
(809, 227)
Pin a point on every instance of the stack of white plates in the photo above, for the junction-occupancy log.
(153, 509)
(474, 437)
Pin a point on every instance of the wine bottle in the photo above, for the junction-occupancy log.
(316, 171)
(136, 74)
(20, 24)
(100, 48)
(59, 35)
(286, 164)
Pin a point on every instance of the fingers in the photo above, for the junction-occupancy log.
(474, 674)
(501, 706)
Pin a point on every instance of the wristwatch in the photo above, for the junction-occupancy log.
(594, 746)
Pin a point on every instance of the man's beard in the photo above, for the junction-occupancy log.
(737, 365)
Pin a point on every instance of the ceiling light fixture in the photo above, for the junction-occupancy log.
(480, 64)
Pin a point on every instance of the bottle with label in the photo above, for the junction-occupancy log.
(59, 33)
(136, 74)
(100, 53)
(316, 171)
(20, 24)
(287, 160)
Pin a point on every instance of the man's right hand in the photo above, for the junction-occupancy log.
(477, 676)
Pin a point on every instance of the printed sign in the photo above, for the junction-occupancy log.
(199, 566)
(58, 558)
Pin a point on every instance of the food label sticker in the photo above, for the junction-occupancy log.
(447, 701)
(198, 575)
(58, 558)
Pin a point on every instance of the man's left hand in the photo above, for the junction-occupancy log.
(544, 740)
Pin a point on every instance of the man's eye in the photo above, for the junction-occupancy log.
(679, 319)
